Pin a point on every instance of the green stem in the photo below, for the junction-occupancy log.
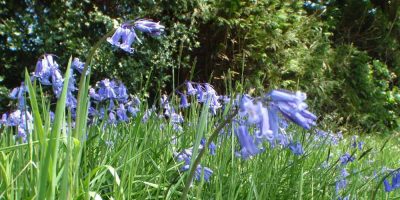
(203, 150)
(82, 80)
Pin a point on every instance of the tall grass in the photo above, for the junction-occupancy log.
(135, 160)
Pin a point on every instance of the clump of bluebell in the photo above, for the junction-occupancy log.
(267, 118)
(125, 35)
(110, 100)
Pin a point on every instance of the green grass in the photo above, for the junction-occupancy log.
(136, 161)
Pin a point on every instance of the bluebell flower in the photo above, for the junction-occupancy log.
(185, 156)
(346, 158)
(292, 106)
(395, 182)
(14, 119)
(121, 92)
(57, 82)
(273, 120)
(121, 113)
(125, 35)
(111, 105)
(147, 115)
(344, 173)
(52, 116)
(19, 93)
(102, 113)
(111, 118)
(130, 38)
(248, 147)
(46, 68)
(42, 71)
(72, 83)
(71, 101)
(200, 93)
(3, 120)
(212, 147)
(150, 27)
(356, 144)
(340, 184)
(296, 148)
(78, 65)
(135, 101)
(190, 88)
(94, 95)
(132, 110)
(209, 90)
(207, 173)
(250, 110)
(168, 109)
(177, 127)
(225, 99)
(176, 118)
(92, 112)
(117, 36)
(184, 101)
(214, 104)
(21, 134)
(105, 90)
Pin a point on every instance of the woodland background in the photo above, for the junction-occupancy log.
(345, 54)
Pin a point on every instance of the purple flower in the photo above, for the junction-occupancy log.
(71, 101)
(395, 182)
(121, 93)
(94, 95)
(176, 118)
(125, 35)
(200, 93)
(132, 110)
(14, 119)
(78, 65)
(3, 120)
(111, 118)
(19, 93)
(190, 89)
(341, 184)
(45, 69)
(130, 38)
(212, 147)
(296, 148)
(21, 134)
(292, 106)
(214, 104)
(184, 101)
(121, 113)
(248, 147)
(115, 39)
(185, 156)
(150, 27)
(105, 90)
(346, 158)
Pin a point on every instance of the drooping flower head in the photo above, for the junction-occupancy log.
(150, 27)
(293, 107)
(19, 94)
(248, 147)
(125, 35)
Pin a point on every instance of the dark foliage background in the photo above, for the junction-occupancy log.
(345, 54)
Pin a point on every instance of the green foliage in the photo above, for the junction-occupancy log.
(347, 61)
